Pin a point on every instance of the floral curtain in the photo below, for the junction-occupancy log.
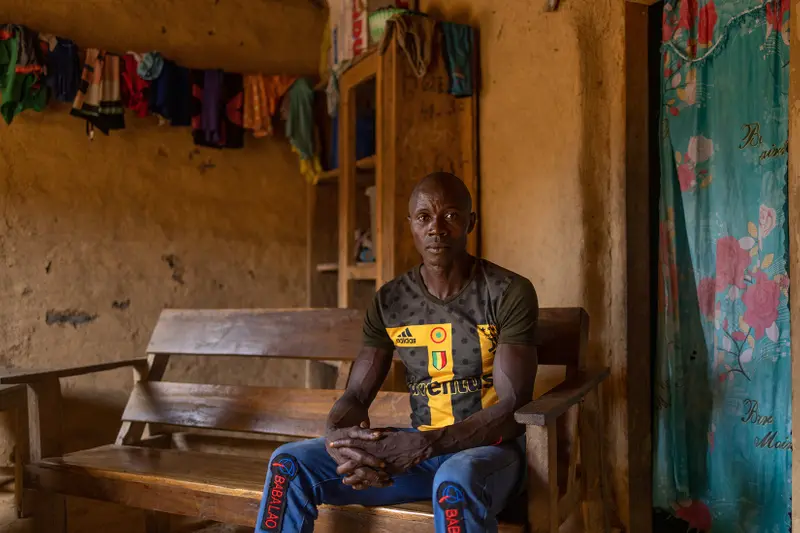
(722, 425)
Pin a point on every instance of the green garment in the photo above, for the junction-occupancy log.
(19, 91)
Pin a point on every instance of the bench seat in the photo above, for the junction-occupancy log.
(218, 487)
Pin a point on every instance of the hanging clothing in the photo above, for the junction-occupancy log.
(150, 66)
(261, 97)
(217, 109)
(98, 100)
(300, 128)
(63, 70)
(21, 72)
(722, 420)
(170, 95)
(415, 38)
(135, 90)
(458, 50)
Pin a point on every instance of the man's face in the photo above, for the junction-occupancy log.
(439, 225)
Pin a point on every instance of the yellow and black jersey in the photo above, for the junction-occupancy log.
(448, 346)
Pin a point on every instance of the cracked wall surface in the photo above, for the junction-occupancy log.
(97, 237)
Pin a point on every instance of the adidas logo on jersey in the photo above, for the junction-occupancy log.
(405, 337)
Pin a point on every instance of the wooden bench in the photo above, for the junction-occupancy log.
(149, 468)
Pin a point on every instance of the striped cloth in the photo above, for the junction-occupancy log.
(98, 100)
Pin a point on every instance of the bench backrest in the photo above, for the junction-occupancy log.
(276, 411)
(328, 334)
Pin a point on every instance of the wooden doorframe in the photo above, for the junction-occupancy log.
(794, 249)
(642, 171)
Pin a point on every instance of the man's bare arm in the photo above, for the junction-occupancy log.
(366, 377)
(514, 374)
(349, 418)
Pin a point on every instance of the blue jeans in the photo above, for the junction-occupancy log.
(468, 488)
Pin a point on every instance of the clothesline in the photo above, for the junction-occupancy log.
(218, 106)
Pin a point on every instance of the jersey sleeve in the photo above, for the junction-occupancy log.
(375, 334)
(518, 313)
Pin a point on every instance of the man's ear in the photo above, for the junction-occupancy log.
(473, 220)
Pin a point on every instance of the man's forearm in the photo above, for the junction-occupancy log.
(487, 427)
(348, 411)
(366, 377)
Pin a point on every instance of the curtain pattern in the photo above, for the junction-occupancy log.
(722, 423)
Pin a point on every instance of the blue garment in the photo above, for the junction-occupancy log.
(171, 94)
(64, 71)
(458, 39)
(470, 487)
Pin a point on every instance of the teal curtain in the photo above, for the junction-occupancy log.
(722, 424)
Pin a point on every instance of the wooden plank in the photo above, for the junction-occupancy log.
(540, 449)
(345, 367)
(347, 185)
(45, 426)
(327, 267)
(14, 398)
(156, 522)
(28, 376)
(362, 69)
(794, 251)
(223, 488)
(557, 401)
(596, 504)
(365, 167)
(468, 128)
(367, 163)
(363, 271)
(386, 142)
(560, 336)
(291, 412)
(131, 432)
(260, 332)
(323, 244)
(642, 174)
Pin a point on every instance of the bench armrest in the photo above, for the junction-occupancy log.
(557, 401)
(31, 376)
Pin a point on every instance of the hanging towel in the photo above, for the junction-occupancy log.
(98, 100)
(150, 66)
(135, 90)
(171, 95)
(217, 109)
(300, 128)
(63, 70)
(261, 97)
(458, 43)
(415, 37)
(21, 84)
(210, 108)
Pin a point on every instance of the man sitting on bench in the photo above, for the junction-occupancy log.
(464, 329)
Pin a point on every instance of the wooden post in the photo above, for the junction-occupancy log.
(46, 433)
(156, 522)
(131, 432)
(642, 176)
(596, 501)
(541, 448)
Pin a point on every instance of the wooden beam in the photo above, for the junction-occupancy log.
(642, 174)
(540, 449)
(794, 252)
(29, 376)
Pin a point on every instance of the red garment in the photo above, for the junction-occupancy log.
(135, 90)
